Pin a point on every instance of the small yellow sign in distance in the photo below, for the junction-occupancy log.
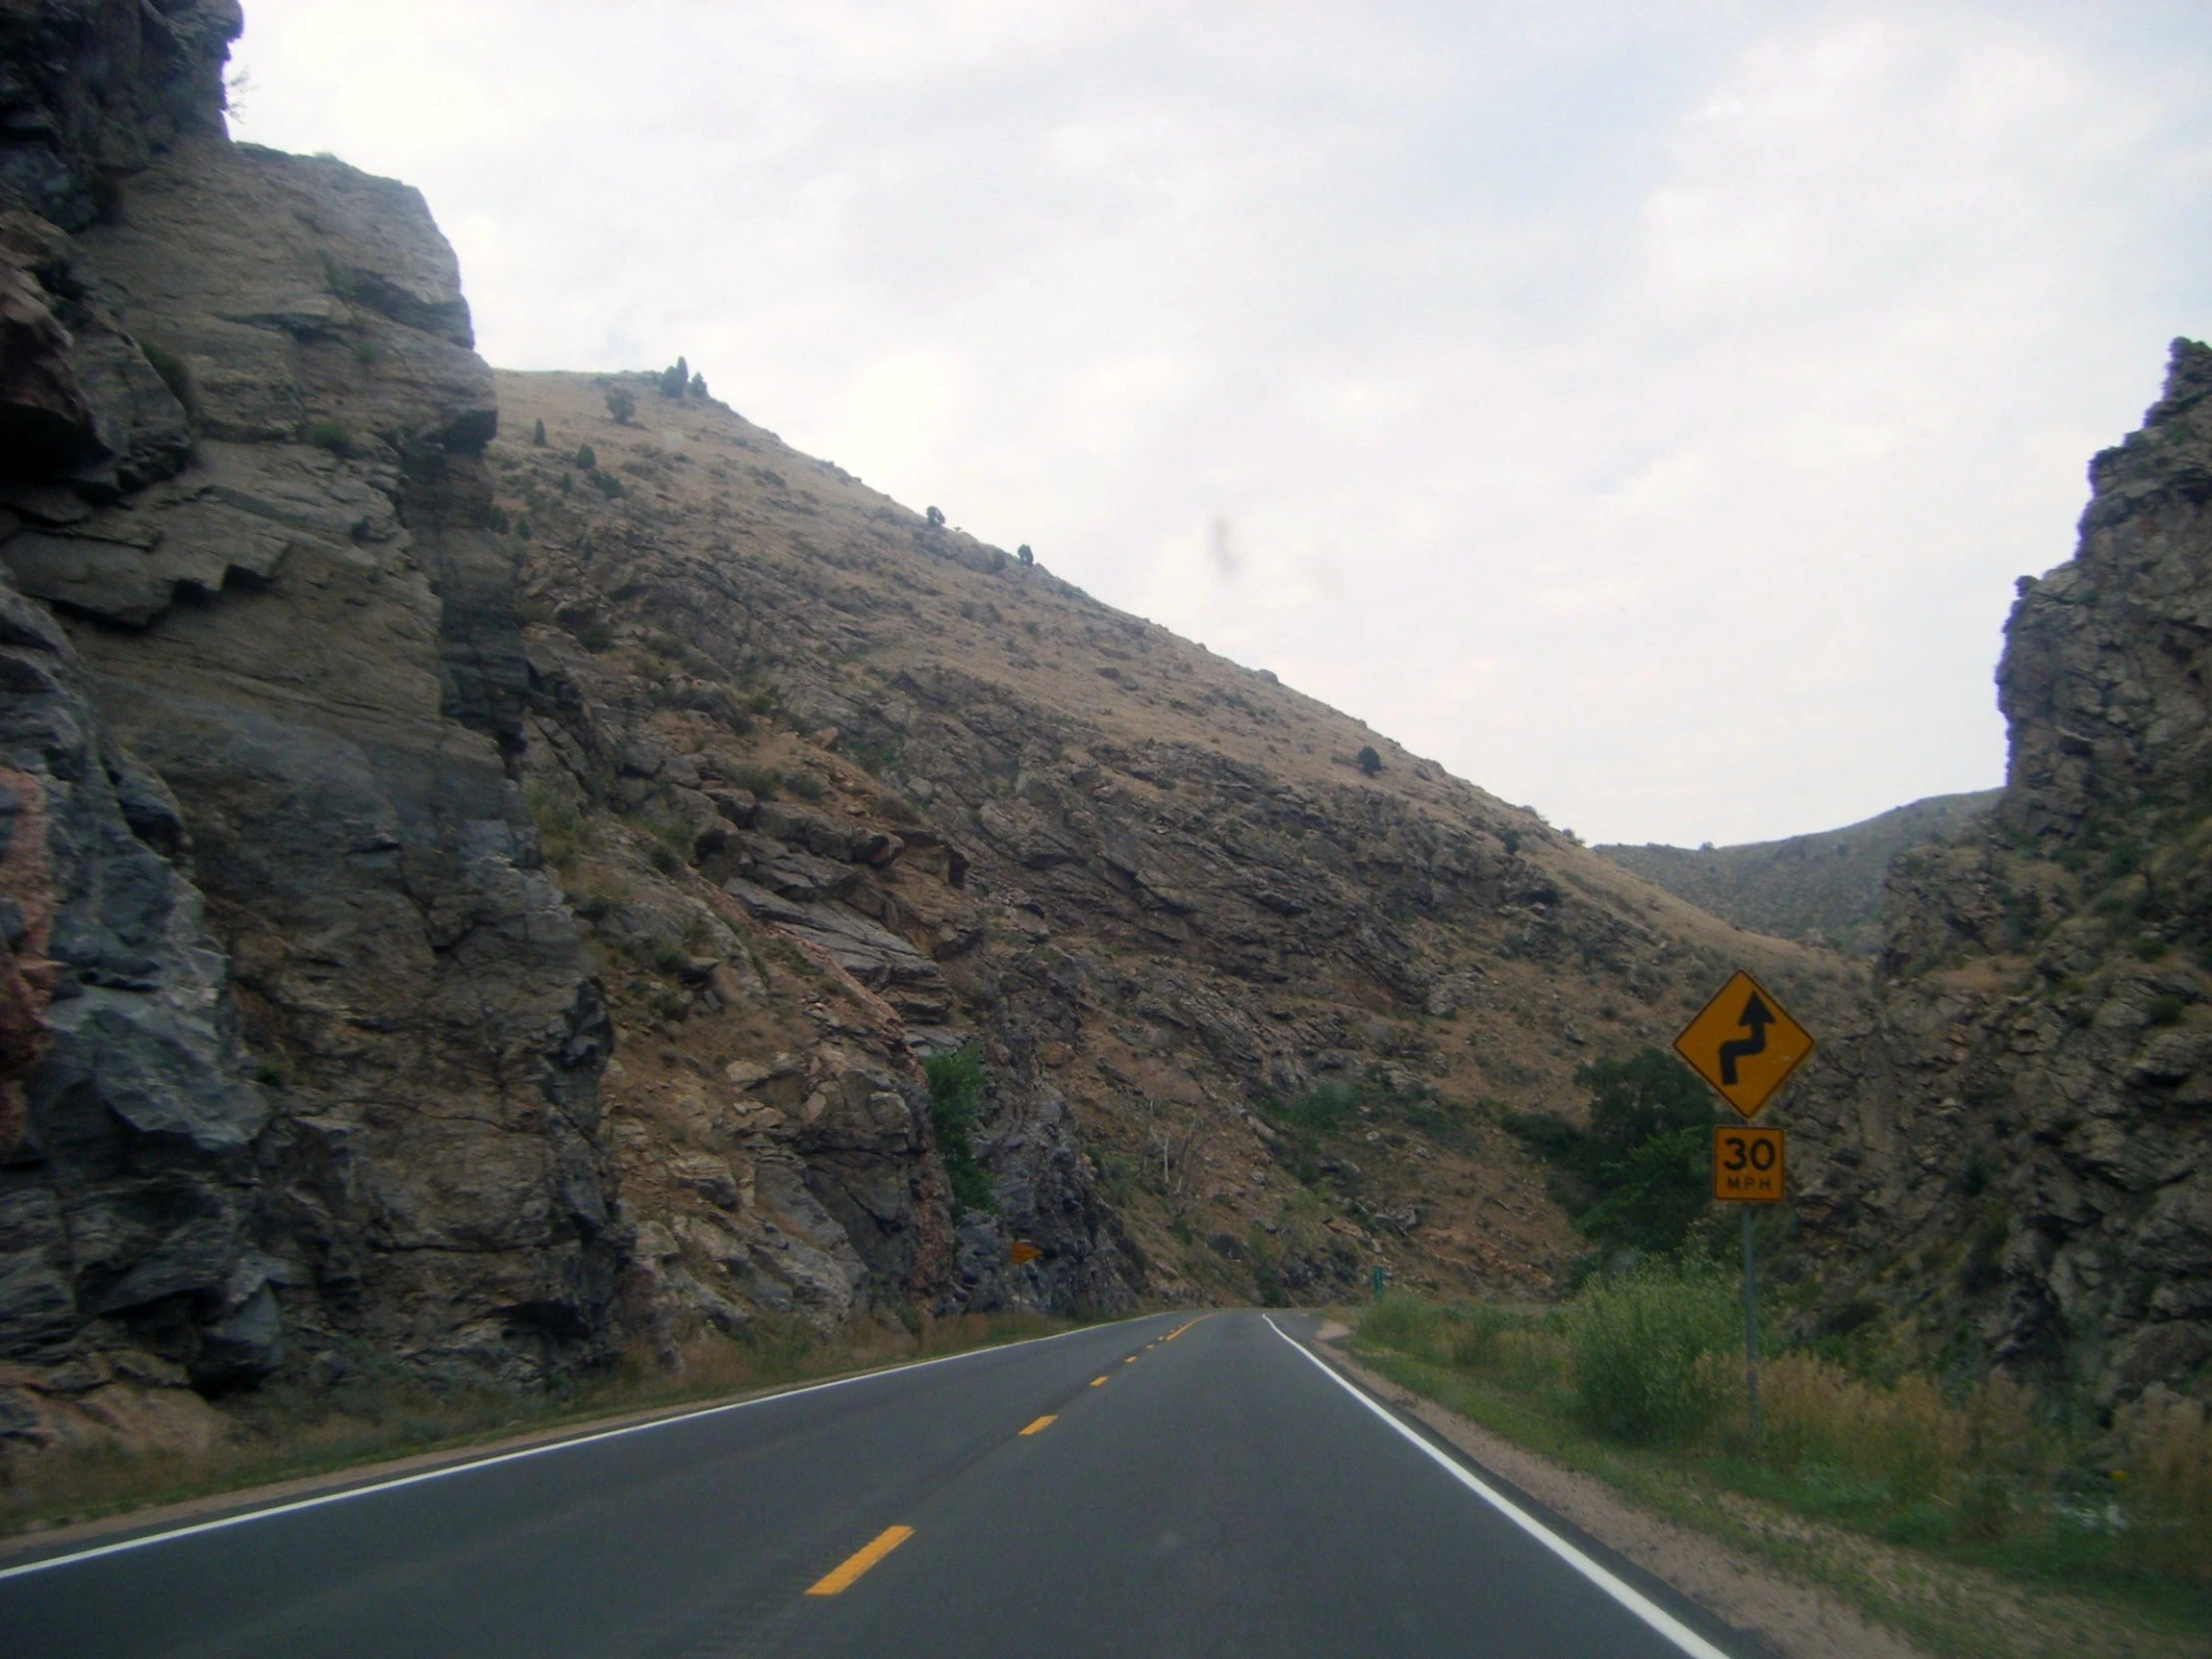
(1747, 1164)
(1023, 1251)
(1745, 1044)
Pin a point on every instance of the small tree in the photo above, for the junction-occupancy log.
(621, 405)
(935, 516)
(1024, 555)
(537, 434)
(1370, 761)
(699, 388)
(674, 378)
(956, 1105)
(585, 458)
(1178, 1140)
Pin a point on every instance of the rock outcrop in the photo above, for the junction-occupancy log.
(302, 1055)
(484, 905)
(2010, 1159)
(773, 708)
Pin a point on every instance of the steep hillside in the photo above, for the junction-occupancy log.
(2011, 1159)
(1824, 887)
(1157, 885)
(476, 909)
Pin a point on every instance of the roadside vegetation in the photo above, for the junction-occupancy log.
(1639, 1379)
(376, 1412)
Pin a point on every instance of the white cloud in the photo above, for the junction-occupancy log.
(1643, 412)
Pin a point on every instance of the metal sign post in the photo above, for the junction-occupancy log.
(1751, 1330)
(1745, 1044)
(1378, 1282)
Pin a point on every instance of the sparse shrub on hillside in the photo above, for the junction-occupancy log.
(588, 629)
(1369, 760)
(763, 783)
(1024, 555)
(587, 458)
(562, 834)
(1511, 840)
(935, 516)
(331, 433)
(523, 526)
(609, 485)
(537, 434)
(699, 386)
(495, 518)
(674, 378)
(808, 786)
(622, 405)
(955, 1103)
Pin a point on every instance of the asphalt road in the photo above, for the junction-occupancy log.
(1218, 1492)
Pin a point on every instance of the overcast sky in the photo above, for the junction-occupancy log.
(1642, 409)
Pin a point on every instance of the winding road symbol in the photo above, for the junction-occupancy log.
(1744, 1043)
(1756, 1017)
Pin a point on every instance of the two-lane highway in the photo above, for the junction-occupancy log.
(1170, 1485)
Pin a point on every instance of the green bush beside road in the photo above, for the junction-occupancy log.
(1641, 1380)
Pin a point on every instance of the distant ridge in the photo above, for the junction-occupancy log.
(1829, 881)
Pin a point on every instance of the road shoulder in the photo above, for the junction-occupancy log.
(1795, 1619)
(43, 1542)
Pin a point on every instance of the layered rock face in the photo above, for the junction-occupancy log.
(485, 904)
(1154, 887)
(2012, 1161)
(301, 1052)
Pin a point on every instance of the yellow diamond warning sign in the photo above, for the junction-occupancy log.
(1747, 1165)
(1745, 1044)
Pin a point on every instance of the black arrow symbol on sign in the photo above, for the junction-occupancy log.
(1757, 1017)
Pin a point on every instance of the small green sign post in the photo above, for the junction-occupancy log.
(1378, 1282)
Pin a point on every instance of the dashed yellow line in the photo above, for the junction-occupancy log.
(1132, 1360)
(1098, 1381)
(1041, 1423)
(1179, 1329)
(858, 1562)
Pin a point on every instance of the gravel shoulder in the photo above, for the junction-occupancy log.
(1774, 1576)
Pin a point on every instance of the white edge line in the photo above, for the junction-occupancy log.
(1660, 1620)
(243, 1517)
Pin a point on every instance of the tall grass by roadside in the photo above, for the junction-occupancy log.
(1988, 1476)
(1644, 1353)
(379, 1410)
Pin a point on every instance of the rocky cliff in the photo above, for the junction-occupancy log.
(1254, 999)
(2010, 1160)
(1826, 887)
(484, 898)
(305, 1054)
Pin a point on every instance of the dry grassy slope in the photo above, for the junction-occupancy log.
(1829, 883)
(1180, 892)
